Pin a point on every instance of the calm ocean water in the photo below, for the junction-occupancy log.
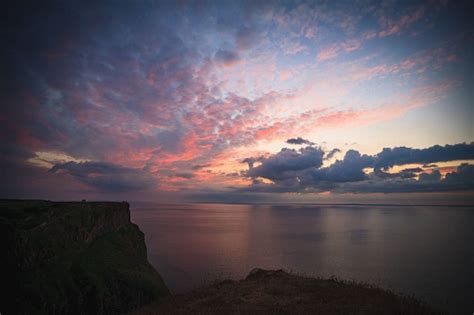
(424, 251)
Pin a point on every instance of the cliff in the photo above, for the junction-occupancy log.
(73, 257)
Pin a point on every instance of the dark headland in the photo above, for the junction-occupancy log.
(73, 258)
(89, 258)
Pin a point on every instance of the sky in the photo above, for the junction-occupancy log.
(238, 101)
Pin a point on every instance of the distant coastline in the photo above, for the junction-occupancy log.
(136, 203)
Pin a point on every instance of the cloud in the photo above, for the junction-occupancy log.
(184, 175)
(396, 26)
(252, 161)
(283, 164)
(351, 45)
(226, 57)
(246, 38)
(291, 48)
(460, 180)
(328, 53)
(403, 155)
(200, 166)
(434, 176)
(463, 178)
(334, 50)
(347, 170)
(299, 140)
(145, 86)
(331, 153)
(405, 173)
(302, 171)
(107, 177)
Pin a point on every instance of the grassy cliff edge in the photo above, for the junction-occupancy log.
(279, 292)
(73, 257)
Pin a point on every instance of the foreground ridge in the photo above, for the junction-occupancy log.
(279, 292)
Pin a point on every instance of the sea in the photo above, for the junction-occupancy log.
(422, 251)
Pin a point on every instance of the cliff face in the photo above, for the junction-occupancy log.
(73, 257)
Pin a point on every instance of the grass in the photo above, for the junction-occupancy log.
(73, 258)
(279, 292)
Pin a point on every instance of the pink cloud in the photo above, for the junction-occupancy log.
(310, 32)
(333, 51)
(293, 48)
(412, 65)
(369, 35)
(328, 53)
(395, 27)
(351, 45)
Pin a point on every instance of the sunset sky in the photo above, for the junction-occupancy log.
(237, 101)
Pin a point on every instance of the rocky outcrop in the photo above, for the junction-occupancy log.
(73, 258)
(279, 292)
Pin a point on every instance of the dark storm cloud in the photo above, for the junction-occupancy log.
(252, 161)
(460, 180)
(300, 171)
(106, 177)
(410, 172)
(464, 176)
(331, 153)
(403, 155)
(347, 170)
(299, 140)
(434, 176)
(405, 173)
(283, 164)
